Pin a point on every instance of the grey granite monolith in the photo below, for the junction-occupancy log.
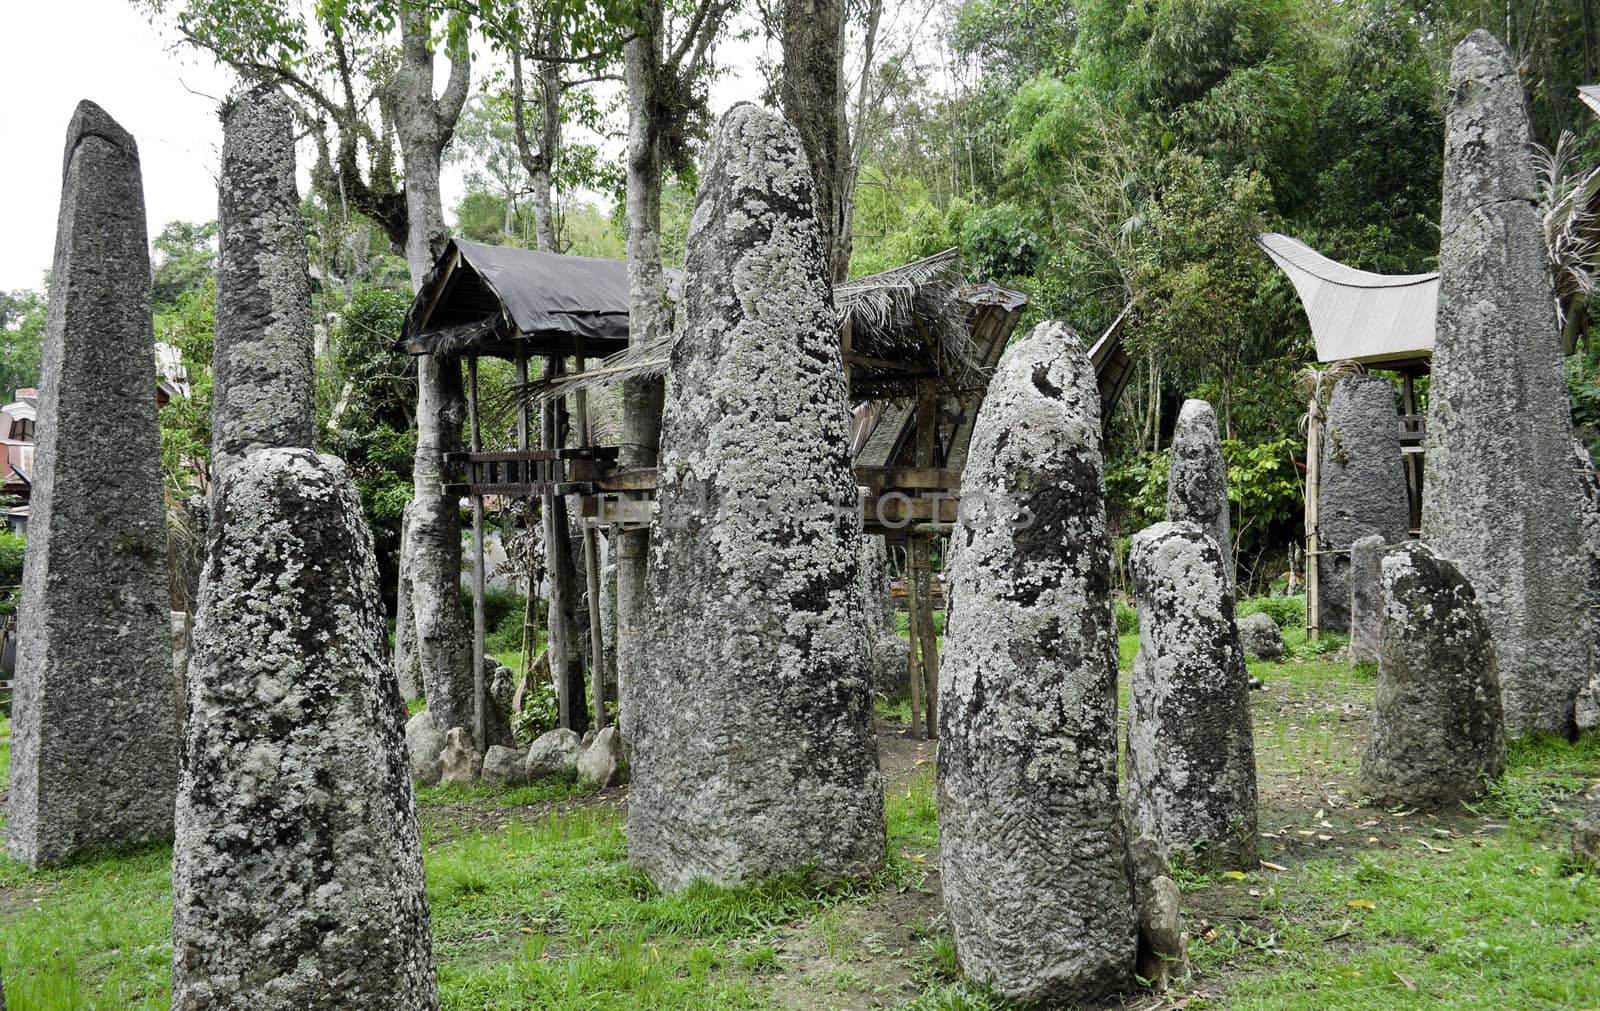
(1191, 757)
(1366, 597)
(750, 719)
(297, 868)
(1197, 483)
(94, 755)
(1586, 712)
(262, 388)
(1033, 853)
(1500, 498)
(1438, 734)
(1363, 490)
(407, 668)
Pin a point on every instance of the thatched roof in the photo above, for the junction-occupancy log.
(900, 328)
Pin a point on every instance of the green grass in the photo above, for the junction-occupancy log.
(536, 906)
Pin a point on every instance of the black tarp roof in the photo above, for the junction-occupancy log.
(486, 299)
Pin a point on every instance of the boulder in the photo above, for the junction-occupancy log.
(297, 867)
(749, 710)
(504, 766)
(1191, 757)
(1366, 598)
(1363, 488)
(460, 761)
(1163, 946)
(600, 763)
(1500, 497)
(94, 760)
(1033, 855)
(425, 749)
(553, 755)
(1585, 852)
(1260, 636)
(1438, 734)
(1197, 484)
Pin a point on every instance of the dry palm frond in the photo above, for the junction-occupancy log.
(1568, 198)
(1315, 384)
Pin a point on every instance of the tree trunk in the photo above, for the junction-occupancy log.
(648, 318)
(424, 125)
(812, 95)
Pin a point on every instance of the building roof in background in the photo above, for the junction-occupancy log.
(1356, 315)
(1590, 93)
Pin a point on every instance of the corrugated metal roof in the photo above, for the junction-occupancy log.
(1357, 315)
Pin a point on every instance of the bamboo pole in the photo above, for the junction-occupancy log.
(480, 690)
(530, 629)
(913, 612)
(922, 551)
(591, 570)
(1313, 489)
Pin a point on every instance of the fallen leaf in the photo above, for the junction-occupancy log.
(1235, 875)
(1405, 979)
(1360, 904)
(1269, 865)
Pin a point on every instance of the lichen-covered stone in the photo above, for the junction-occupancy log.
(750, 715)
(1197, 483)
(1500, 498)
(262, 387)
(891, 666)
(504, 766)
(1363, 490)
(1586, 712)
(1366, 598)
(1260, 637)
(425, 748)
(94, 757)
(181, 624)
(1191, 758)
(407, 667)
(1438, 734)
(461, 764)
(1033, 855)
(297, 867)
(553, 755)
(1585, 850)
(501, 682)
(601, 760)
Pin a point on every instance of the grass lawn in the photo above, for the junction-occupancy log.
(534, 905)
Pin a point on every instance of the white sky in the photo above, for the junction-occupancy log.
(57, 53)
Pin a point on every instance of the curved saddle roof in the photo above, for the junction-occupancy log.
(1356, 315)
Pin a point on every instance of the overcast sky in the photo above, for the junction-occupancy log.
(57, 53)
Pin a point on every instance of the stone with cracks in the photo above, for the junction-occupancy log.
(1260, 637)
(750, 715)
(460, 763)
(553, 755)
(1197, 484)
(1163, 946)
(1033, 854)
(1366, 598)
(406, 667)
(425, 747)
(1191, 758)
(262, 387)
(1363, 490)
(504, 766)
(1500, 498)
(1587, 710)
(94, 757)
(1438, 734)
(297, 867)
(601, 760)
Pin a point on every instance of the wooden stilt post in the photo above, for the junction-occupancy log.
(1313, 537)
(480, 689)
(591, 571)
(1413, 461)
(921, 553)
(913, 612)
(555, 641)
(530, 631)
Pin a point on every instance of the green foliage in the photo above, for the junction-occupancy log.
(1001, 241)
(12, 548)
(1288, 612)
(22, 318)
(1127, 619)
(185, 260)
(189, 325)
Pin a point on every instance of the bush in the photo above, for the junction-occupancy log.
(1288, 612)
(1127, 619)
(502, 618)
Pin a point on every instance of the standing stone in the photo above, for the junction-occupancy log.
(1584, 853)
(181, 624)
(94, 760)
(1366, 598)
(600, 762)
(1587, 709)
(891, 673)
(425, 745)
(407, 669)
(1500, 497)
(1363, 489)
(297, 870)
(1197, 484)
(262, 389)
(460, 762)
(1033, 853)
(1438, 735)
(1191, 759)
(750, 716)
